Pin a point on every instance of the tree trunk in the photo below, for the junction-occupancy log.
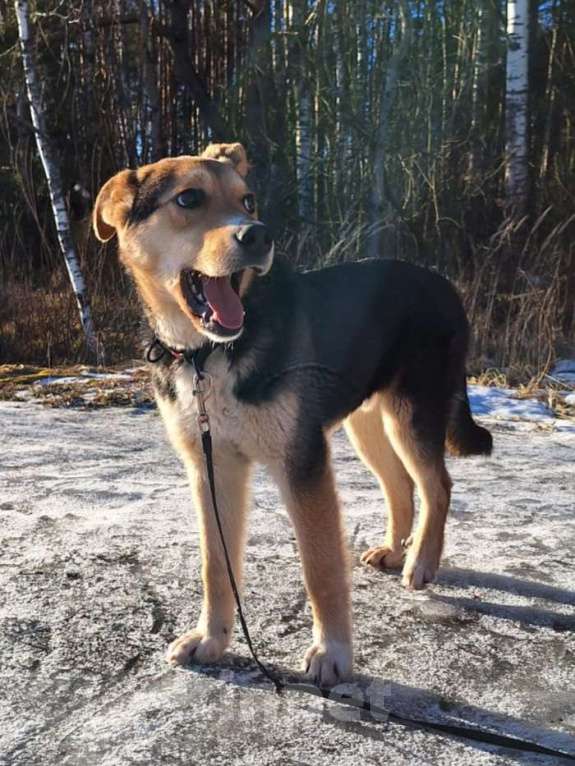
(152, 116)
(477, 93)
(265, 122)
(186, 73)
(304, 123)
(380, 192)
(516, 108)
(52, 171)
(550, 98)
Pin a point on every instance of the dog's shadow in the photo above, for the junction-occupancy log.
(527, 615)
(380, 710)
(457, 577)
(364, 706)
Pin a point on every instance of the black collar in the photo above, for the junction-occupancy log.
(197, 357)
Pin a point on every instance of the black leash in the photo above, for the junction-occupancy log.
(204, 424)
(197, 358)
(473, 733)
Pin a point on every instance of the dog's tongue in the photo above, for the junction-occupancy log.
(224, 302)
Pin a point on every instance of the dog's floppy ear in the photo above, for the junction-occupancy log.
(113, 204)
(233, 154)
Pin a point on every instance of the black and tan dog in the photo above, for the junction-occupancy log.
(377, 345)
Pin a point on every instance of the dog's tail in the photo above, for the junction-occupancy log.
(464, 436)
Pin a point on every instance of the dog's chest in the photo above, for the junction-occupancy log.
(260, 432)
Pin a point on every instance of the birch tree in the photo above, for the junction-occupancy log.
(304, 123)
(477, 91)
(516, 106)
(53, 177)
(359, 117)
(151, 107)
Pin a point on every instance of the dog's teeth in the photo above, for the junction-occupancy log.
(197, 291)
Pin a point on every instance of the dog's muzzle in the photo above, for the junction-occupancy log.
(215, 300)
(256, 246)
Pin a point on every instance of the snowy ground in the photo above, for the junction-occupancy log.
(99, 571)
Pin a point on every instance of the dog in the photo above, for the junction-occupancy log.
(376, 345)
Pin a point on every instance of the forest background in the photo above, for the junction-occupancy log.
(437, 131)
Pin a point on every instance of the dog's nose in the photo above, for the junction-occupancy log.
(254, 237)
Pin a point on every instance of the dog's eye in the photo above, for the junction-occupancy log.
(250, 203)
(191, 198)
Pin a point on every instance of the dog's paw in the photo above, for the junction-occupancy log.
(327, 663)
(384, 557)
(196, 647)
(420, 569)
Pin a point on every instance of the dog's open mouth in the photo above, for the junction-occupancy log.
(214, 300)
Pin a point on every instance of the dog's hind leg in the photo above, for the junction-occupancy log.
(208, 641)
(364, 428)
(417, 434)
(310, 496)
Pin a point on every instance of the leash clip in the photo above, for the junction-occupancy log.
(204, 422)
(202, 385)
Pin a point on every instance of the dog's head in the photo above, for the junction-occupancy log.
(189, 234)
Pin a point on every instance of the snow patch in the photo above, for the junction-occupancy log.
(500, 403)
(564, 371)
(71, 379)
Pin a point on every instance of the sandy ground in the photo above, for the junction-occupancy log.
(99, 571)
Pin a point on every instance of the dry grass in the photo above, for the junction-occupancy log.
(27, 382)
(40, 325)
(519, 320)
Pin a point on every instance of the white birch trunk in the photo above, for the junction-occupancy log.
(304, 124)
(304, 155)
(152, 102)
(476, 94)
(516, 106)
(53, 177)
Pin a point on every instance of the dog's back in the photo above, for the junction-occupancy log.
(366, 325)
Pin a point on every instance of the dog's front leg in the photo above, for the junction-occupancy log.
(312, 504)
(212, 635)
